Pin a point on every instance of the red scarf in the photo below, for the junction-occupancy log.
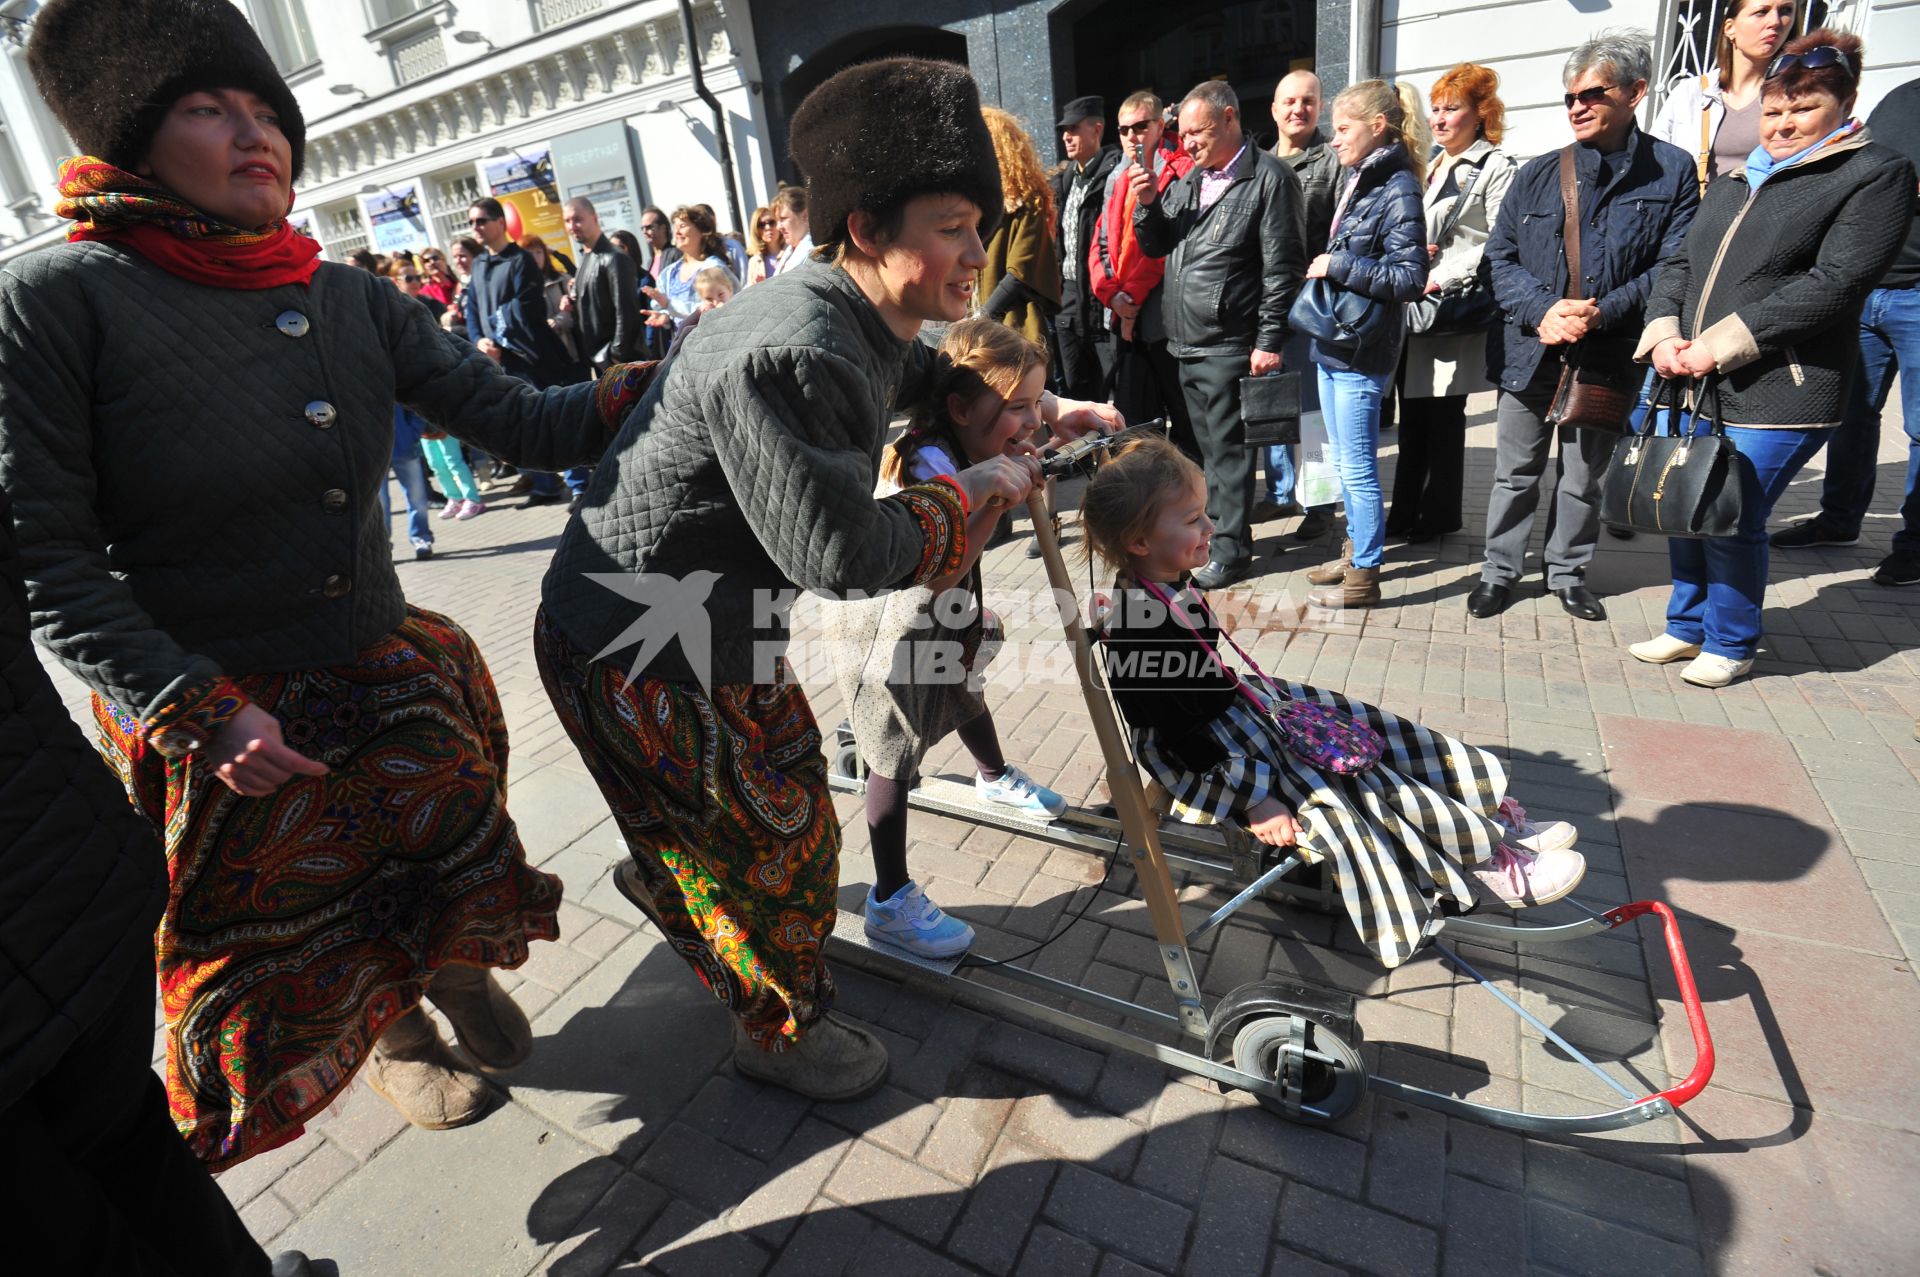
(108, 203)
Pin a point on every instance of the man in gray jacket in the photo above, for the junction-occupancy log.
(1230, 231)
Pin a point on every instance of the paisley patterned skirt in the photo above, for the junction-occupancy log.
(724, 805)
(300, 925)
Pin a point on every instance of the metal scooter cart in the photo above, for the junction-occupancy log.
(1293, 1046)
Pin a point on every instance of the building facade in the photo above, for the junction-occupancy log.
(416, 107)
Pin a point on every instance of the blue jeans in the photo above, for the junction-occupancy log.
(1350, 402)
(412, 474)
(577, 479)
(1278, 461)
(1720, 584)
(1889, 343)
(545, 482)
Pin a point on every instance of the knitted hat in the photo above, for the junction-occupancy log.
(874, 136)
(111, 69)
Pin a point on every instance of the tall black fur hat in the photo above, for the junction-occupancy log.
(110, 69)
(875, 135)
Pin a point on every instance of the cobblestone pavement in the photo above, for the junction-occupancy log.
(1778, 816)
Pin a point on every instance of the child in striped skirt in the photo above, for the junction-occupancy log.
(1410, 821)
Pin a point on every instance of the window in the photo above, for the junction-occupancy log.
(283, 27)
(385, 12)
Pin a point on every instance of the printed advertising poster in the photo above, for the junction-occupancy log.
(523, 183)
(596, 163)
(396, 218)
(302, 222)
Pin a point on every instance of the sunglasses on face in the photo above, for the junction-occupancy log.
(481, 221)
(767, 223)
(1139, 127)
(1813, 59)
(409, 279)
(1588, 97)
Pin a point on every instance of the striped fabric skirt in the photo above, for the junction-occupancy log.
(300, 925)
(1396, 836)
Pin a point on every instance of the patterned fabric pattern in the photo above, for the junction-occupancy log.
(99, 196)
(300, 925)
(724, 804)
(619, 388)
(1397, 835)
(187, 724)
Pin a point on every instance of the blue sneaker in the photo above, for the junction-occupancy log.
(1014, 788)
(908, 920)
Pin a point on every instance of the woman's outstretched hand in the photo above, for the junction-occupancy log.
(999, 482)
(253, 759)
(1273, 824)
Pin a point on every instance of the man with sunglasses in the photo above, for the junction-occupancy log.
(505, 307)
(1637, 198)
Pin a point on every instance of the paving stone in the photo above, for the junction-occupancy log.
(1049, 1061)
(888, 1252)
(1052, 1253)
(827, 1243)
(685, 1241)
(1125, 1220)
(1076, 1132)
(266, 1217)
(699, 1169)
(1646, 1202)
(598, 1240)
(255, 1175)
(1291, 1263)
(969, 1126)
(1305, 1153)
(932, 1068)
(1236, 1221)
(1594, 1248)
(1355, 1235)
(1179, 1143)
(796, 1176)
(1486, 1229)
(360, 1123)
(1487, 1154)
(1407, 1161)
(1002, 1206)
(303, 1186)
(895, 1190)
(751, 1116)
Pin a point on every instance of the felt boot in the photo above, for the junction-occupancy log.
(1357, 587)
(413, 1070)
(1336, 571)
(492, 1029)
(834, 1061)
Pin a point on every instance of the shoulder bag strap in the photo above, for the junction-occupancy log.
(1570, 201)
(1160, 592)
(1459, 203)
(1706, 134)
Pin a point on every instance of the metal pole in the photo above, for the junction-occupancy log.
(705, 94)
(1364, 32)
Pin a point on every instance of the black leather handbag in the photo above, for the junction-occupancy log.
(1683, 482)
(1270, 409)
(1338, 317)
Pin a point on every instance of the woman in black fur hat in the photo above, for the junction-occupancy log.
(195, 421)
(746, 471)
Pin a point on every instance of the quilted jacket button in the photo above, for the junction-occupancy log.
(320, 413)
(334, 500)
(291, 323)
(336, 586)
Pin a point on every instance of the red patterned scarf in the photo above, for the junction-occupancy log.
(109, 203)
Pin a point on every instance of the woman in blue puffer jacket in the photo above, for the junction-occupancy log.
(1378, 248)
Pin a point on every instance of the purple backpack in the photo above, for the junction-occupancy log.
(1313, 733)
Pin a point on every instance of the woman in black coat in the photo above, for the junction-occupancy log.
(1765, 301)
(1377, 248)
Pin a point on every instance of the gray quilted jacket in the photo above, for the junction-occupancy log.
(195, 471)
(753, 456)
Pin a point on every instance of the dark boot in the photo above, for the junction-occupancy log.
(492, 1029)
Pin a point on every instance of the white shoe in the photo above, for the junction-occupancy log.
(914, 923)
(1709, 670)
(1014, 788)
(1521, 880)
(1661, 650)
(1524, 834)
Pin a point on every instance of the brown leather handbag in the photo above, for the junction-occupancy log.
(1598, 389)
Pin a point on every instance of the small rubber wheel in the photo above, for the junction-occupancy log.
(846, 762)
(1307, 1058)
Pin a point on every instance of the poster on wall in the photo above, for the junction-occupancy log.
(396, 218)
(303, 223)
(523, 183)
(597, 163)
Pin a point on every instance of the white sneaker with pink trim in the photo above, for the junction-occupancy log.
(1522, 880)
(1524, 835)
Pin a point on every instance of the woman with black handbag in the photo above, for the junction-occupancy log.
(1446, 356)
(1376, 262)
(1765, 299)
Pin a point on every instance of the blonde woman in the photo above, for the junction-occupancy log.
(1715, 117)
(1021, 280)
(763, 245)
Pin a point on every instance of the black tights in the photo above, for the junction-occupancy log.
(887, 805)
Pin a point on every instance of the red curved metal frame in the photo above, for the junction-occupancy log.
(1696, 1081)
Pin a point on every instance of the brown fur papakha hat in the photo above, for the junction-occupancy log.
(875, 135)
(111, 69)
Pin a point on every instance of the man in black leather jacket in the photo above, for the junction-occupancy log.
(1079, 193)
(1231, 233)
